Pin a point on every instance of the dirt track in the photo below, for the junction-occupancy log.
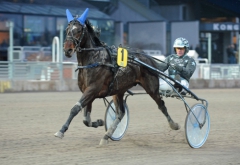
(29, 120)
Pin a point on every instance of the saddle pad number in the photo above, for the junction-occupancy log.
(122, 57)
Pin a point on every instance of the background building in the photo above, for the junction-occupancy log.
(187, 18)
(37, 22)
(147, 24)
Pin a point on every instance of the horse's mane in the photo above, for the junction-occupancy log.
(93, 34)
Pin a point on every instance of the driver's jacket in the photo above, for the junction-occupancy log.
(188, 63)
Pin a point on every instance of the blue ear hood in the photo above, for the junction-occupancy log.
(83, 17)
(69, 16)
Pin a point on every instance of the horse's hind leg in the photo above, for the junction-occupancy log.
(120, 112)
(87, 118)
(163, 108)
(161, 105)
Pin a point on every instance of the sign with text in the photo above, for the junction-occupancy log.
(223, 26)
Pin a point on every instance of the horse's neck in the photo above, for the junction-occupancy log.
(84, 57)
(88, 41)
(91, 53)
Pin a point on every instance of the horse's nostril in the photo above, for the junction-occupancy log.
(69, 51)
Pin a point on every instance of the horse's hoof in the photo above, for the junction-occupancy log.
(174, 126)
(103, 142)
(86, 123)
(100, 122)
(59, 134)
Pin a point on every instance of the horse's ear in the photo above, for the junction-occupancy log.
(83, 17)
(69, 16)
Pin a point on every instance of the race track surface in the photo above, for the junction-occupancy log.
(28, 122)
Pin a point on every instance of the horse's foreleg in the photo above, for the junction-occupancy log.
(88, 97)
(87, 118)
(120, 112)
(74, 111)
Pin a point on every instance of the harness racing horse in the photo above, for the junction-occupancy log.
(99, 77)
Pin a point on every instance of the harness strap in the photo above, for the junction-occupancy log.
(79, 49)
(93, 66)
(112, 54)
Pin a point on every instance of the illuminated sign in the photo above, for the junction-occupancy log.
(225, 27)
(220, 26)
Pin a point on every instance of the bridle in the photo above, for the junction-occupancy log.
(75, 40)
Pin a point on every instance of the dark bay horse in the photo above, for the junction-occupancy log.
(98, 77)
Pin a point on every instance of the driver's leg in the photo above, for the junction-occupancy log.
(185, 84)
(164, 87)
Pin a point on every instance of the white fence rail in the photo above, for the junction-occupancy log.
(30, 71)
(31, 53)
(217, 71)
(42, 76)
(44, 71)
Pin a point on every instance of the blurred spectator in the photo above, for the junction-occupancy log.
(231, 54)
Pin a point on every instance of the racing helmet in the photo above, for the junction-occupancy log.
(181, 43)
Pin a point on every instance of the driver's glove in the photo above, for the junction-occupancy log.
(177, 67)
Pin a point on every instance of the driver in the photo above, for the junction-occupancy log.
(179, 65)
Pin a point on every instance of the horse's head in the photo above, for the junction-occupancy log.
(74, 32)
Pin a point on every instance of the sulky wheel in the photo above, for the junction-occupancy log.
(122, 126)
(197, 126)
